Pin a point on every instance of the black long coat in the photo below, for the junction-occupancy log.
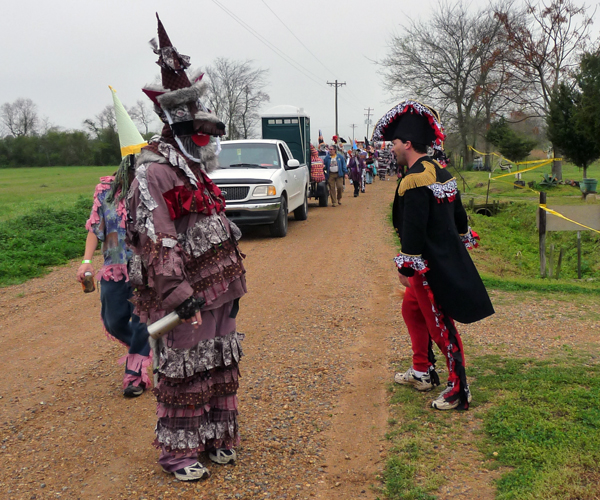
(429, 217)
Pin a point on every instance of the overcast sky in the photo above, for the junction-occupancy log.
(63, 54)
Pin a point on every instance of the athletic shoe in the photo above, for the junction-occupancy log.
(440, 402)
(222, 456)
(422, 383)
(191, 472)
(133, 391)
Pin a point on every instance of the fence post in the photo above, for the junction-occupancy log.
(542, 235)
(579, 254)
(560, 258)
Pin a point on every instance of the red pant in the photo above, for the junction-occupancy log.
(422, 323)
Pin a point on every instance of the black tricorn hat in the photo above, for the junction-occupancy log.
(410, 121)
(412, 127)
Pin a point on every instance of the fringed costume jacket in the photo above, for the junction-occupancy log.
(432, 225)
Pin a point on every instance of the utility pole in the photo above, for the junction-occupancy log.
(354, 125)
(368, 120)
(336, 85)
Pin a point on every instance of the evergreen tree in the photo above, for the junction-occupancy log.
(573, 119)
(510, 144)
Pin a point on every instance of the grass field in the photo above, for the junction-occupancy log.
(42, 218)
(22, 189)
(540, 423)
(476, 183)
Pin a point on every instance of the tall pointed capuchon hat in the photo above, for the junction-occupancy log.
(177, 99)
(172, 63)
(130, 139)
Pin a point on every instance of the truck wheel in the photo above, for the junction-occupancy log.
(301, 213)
(279, 228)
(324, 198)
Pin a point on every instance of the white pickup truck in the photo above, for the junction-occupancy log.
(262, 183)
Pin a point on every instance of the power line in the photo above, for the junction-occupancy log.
(294, 35)
(297, 66)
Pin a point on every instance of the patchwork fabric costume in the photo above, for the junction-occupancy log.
(107, 222)
(187, 255)
(432, 224)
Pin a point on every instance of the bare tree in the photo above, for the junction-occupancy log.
(20, 117)
(452, 61)
(105, 119)
(545, 41)
(236, 93)
(143, 115)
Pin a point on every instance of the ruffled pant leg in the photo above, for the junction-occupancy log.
(121, 323)
(197, 390)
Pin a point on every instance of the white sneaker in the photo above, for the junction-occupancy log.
(223, 456)
(440, 402)
(191, 472)
(422, 383)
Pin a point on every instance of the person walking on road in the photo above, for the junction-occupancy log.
(355, 173)
(335, 173)
(442, 283)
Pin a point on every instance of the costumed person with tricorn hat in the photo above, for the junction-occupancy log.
(442, 283)
(190, 264)
(107, 224)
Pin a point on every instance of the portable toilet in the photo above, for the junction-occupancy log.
(289, 124)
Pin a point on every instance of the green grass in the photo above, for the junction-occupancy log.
(544, 424)
(23, 189)
(509, 248)
(503, 188)
(46, 236)
(539, 419)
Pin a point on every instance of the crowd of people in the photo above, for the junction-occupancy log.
(168, 247)
(360, 166)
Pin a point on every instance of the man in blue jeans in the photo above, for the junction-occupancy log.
(335, 173)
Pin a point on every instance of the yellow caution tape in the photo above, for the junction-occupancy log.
(515, 162)
(555, 213)
(544, 163)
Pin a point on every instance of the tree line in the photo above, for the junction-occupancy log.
(502, 66)
(236, 91)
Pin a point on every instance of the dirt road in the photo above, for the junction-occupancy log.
(313, 414)
(323, 335)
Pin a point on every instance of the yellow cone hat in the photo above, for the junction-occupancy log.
(130, 139)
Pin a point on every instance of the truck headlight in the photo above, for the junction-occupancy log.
(264, 191)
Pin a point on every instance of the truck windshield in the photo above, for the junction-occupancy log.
(249, 155)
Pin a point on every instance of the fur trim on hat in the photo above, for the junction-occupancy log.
(174, 98)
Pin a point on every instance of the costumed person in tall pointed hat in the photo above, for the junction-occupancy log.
(107, 224)
(442, 283)
(190, 264)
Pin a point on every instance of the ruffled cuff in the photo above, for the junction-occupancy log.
(415, 262)
(470, 239)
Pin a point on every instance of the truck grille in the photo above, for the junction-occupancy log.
(232, 193)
